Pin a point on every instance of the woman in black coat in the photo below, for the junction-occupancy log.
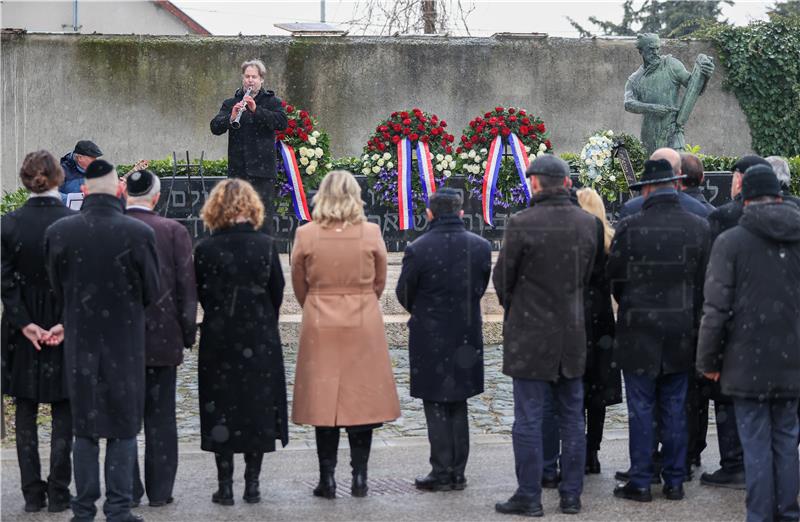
(242, 385)
(602, 382)
(33, 354)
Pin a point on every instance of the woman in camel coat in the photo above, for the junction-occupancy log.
(344, 375)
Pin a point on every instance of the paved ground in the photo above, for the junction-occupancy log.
(290, 474)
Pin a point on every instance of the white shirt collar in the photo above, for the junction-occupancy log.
(52, 193)
(140, 207)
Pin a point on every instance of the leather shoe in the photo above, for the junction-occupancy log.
(673, 492)
(459, 482)
(592, 463)
(625, 476)
(161, 503)
(251, 493)
(550, 482)
(358, 486)
(58, 507)
(517, 505)
(132, 518)
(630, 492)
(432, 483)
(723, 479)
(224, 495)
(326, 487)
(34, 506)
(570, 505)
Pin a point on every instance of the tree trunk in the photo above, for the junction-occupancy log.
(429, 16)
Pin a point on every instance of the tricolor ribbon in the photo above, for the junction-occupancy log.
(493, 163)
(404, 196)
(295, 182)
(521, 160)
(425, 170)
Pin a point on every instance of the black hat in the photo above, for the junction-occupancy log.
(655, 172)
(140, 182)
(760, 180)
(745, 162)
(98, 168)
(87, 148)
(548, 165)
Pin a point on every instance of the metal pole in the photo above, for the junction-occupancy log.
(322, 11)
(75, 16)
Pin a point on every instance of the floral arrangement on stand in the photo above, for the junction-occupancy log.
(601, 170)
(473, 154)
(305, 150)
(403, 135)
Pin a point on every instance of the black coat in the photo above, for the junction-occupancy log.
(725, 217)
(171, 318)
(548, 253)
(656, 268)
(697, 194)
(751, 317)
(445, 274)
(241, 380)
(251, 148)
(104, 267)
(29, 298)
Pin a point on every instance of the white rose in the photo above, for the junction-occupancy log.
(610, 133)
(376, 169)
(444, 164)
(589, 161)
(463, 155)
(310, 169)
(452, 164)
(366, 157)
(329, 166)
(365, 170)
(540, 153)
(318, 152)
(483, 165)
(387, 156)
(439, 167)
(471, 154)
(612, 178)
(484, 151)
(315, 134)
(542, 146)
(527, 149)
(446, 173)
(310, 152)
(302, 151)
(449, 158)
(376, 157)
(381, 162)
(439, 157)
(312, 140)
(389, 165)
(477, 159)
(314, 164)
(304, 161)
(532, 157)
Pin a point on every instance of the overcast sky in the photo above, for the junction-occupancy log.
(486, 18)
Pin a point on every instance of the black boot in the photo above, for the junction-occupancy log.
(251, 473)
(327, 447)
(360, 445)
(592, 463)
(224, 495)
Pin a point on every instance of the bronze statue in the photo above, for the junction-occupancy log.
(653, 90)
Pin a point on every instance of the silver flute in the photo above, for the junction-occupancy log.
(235, 123)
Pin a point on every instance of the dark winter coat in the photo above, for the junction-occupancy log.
(725, 216)
(29, 298)
(687, 202)
(656, 268)
(697, 194)
(547, 257)
(73, 175)
(104, 267)
(241, 380)
(172, 317)
(251, 147)
(445, 274)
(751, 317)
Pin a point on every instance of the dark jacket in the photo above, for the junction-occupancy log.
(104, 267)
(73, 175)
(687, 202)
(251, 148)
(172, 316)
(241, 380)
(656, 268)
(546, 261)
(445, 274)
(29, 298)
(751, 315)
(725, 216)
(697, 194)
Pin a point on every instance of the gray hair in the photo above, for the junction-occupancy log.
(258, 64)
(155, 188)
(781, 168)
(108, 184)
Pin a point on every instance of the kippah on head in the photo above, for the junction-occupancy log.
(645, 39)
(140, 182)
(98, 168)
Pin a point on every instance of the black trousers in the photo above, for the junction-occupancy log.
(160, 436)
(252, 469)
(360, 438)
(595, 418)
(448, 433)
(697, 399)
(57, 486)
(265, 187)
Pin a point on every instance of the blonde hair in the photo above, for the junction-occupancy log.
(591, 202)
(338, 200)
(230, 199)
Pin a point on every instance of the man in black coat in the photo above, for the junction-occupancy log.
(749, 340)
(548, 254)
(656, 268)
(731, 471)
(171, 326)
(445, 274)
(251, 140)
(103, 267)
(692, 168)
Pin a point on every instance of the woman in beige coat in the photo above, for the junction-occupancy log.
(344, 375)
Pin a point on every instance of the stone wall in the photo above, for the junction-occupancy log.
(143, 97)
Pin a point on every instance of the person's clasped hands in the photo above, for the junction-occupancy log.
(39, 336)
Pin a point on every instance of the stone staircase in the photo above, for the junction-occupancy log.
(394, 316)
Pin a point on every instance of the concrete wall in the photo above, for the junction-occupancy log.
(117, 17)
(143, 97)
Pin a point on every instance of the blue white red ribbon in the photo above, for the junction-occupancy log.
(490, 178)
(425, 170)
(521, 160)
(295, 182)
(404, 196)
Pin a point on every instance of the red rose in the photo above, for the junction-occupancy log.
(464, 139)
(381, 146)
(420, 127)
(511, 110)
(492, 121)
(422, 118)
(474, 139)
(505, 131)
(283, 103)
(448, 149)
(383, 128)
(487, 114)
(289, 108)
(548, 144)
(280, 136)
(406, 121)
(482, 140)
(526, 121)
(303, 114)
(467, 146)
(292, 124)
(404, 115)
(443, 124)
(434, 119)
(493, 131)
(498, 109)
(444, 143)
(394, 114)
(512, 118)
(416, 110)
(290, 132)
(473, 124)
(406, 131)
(414, 136)
(451, 138)
(540, 127)
(397, 127)
(395, 139)
(523, 130)
(385, 135)
(302, 135)
(436, 131)
(522, 113)
(458, 150)
(424, 139)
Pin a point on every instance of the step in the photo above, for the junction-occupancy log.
(396, 329)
